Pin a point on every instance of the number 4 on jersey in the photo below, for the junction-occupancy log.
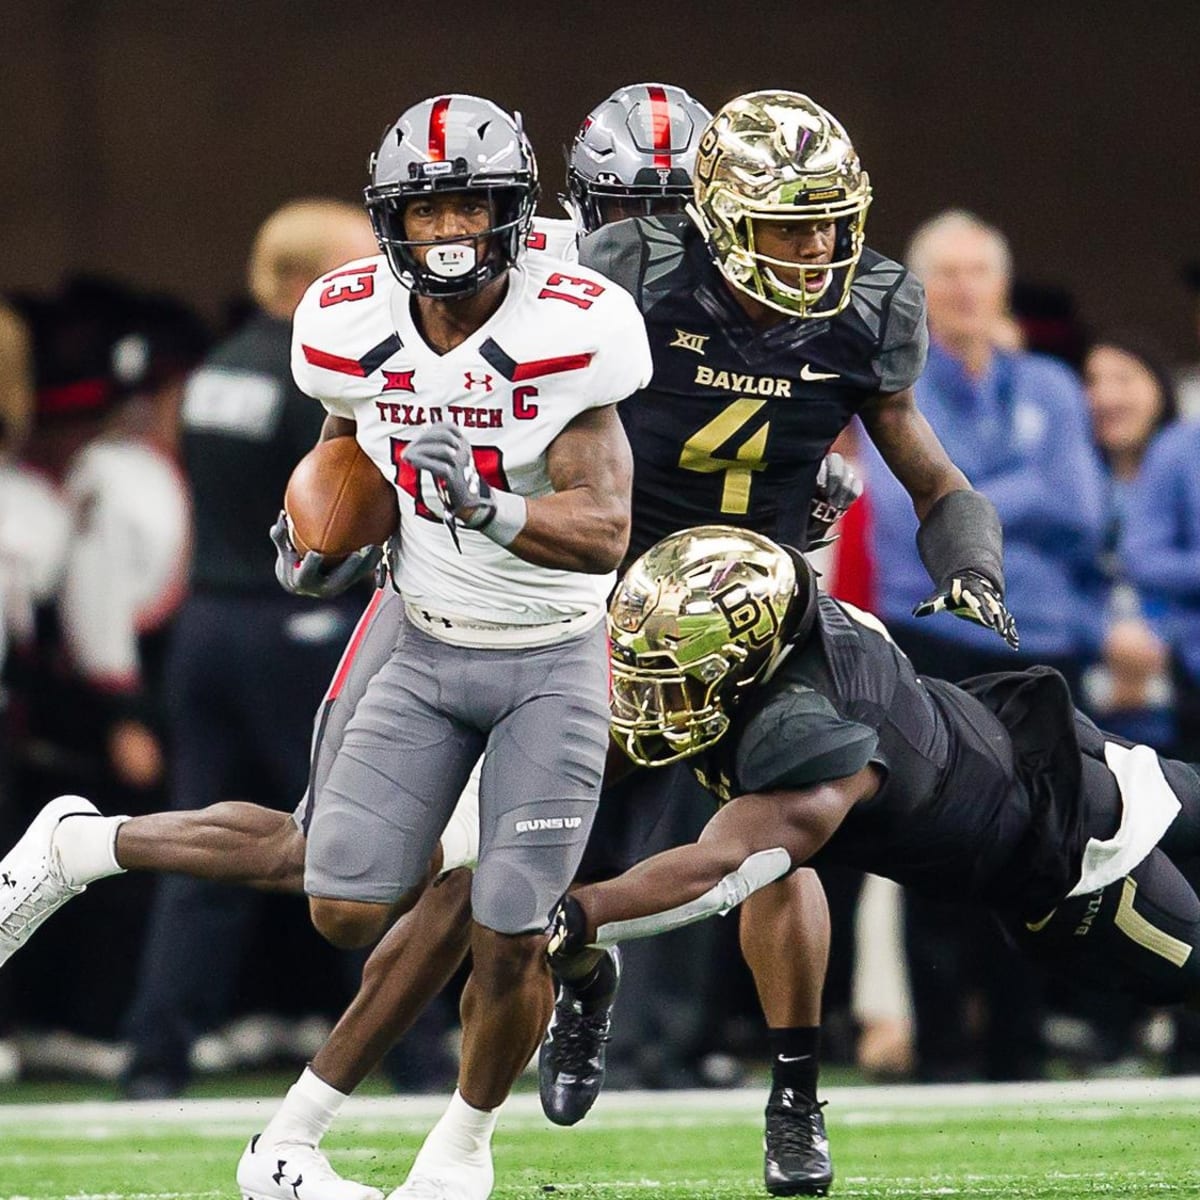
(700, 449)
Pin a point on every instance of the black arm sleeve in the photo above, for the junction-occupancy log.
(798, 740)
(961, 532)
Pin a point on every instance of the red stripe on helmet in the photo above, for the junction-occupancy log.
(660, 121)
(437, 129)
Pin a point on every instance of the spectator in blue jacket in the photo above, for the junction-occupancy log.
(1160, 549)
(1017, 424)
(1128, 686)
(1161, 552)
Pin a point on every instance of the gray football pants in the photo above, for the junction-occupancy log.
(539, 716)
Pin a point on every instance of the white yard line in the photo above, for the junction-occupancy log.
(99, 1119)
(975, 1185)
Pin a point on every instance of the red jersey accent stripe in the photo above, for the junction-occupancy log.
(334, 362)
(550, 366)
(356, 639)
(437, 129)
(660, 119)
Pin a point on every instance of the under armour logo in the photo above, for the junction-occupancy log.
(6, 880)
(398, 381)
(664, 175)
(689, 341)
(483, 381)
(280, 1178)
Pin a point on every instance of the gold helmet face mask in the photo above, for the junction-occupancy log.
(779, 156)
(694, 622)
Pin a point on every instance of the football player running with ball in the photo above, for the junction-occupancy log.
(513, 474)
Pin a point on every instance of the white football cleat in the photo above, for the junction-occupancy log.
(32, 886)
(294, 1171)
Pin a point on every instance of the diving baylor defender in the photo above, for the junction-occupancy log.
(800, 714)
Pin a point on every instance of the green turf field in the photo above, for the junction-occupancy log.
(1127, 1140)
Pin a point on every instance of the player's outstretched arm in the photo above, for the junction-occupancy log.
(960, 538)
(722, 868)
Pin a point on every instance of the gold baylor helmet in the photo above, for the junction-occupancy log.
(779, 156)
(695, 621)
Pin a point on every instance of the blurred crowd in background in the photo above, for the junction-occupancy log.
(137, 633)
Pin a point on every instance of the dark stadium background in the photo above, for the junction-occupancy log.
(148, 138)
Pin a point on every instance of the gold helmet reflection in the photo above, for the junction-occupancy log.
(779, 156)
(696, 620)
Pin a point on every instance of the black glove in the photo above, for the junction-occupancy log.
(974, 598)
(443, 451)
(316, 574)
(836, 489)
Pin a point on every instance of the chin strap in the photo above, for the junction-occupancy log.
(756, 872)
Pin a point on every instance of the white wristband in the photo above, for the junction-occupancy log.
(507, 520)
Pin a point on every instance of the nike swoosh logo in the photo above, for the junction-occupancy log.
(811, 376)
(792, 1057)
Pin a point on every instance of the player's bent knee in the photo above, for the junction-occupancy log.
(503, 960)
(510, 900)
(349, 924)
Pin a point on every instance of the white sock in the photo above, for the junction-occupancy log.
(306, 1113)
(86, 846)
(461, 1129)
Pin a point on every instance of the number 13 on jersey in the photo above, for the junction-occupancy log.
(700, 449)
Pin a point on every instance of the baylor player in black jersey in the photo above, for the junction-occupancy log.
(740, 412)
(801, 714)
(771, 326)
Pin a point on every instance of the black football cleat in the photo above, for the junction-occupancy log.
(571, 1062)
(796, 1158)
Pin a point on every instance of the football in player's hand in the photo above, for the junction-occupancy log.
(337, 500)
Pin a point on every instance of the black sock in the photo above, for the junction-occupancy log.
(795, 1058)
(595, 989)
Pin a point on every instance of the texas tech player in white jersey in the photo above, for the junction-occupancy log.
(564, 340)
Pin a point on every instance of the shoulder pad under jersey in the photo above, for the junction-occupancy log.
(636, 253)
(889, 300)
(799, 739)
